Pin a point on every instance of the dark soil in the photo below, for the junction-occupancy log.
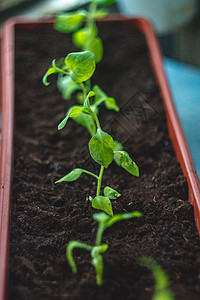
(45, 216)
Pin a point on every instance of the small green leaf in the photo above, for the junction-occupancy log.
(101, 148)
(88, 122)
(81, 37)
(127, 163)
(105, 2)
(101, 13)
(103, 203)
(74, 175)
(117, 218)
(49, 72)
(111, 193)
(100, 97)
(96, 47)
(101, 217)
(70, 22)
(67, 86)
(82, 65)
(73, 112)
(103, 248)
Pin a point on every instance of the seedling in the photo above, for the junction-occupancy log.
(82, 24)
(162, 290)
(74, 70)
(102, 150)
(104, 221)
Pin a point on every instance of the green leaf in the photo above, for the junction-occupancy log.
(74, 175)
(67, 86)
(101, 148)
(117, 147)
(49, 72)
(100, 97)
(103, 203)
(127, 163)
(82, 65)
(70, 22)
(96, 47)
(111, 193)
(101, 217)
(117, 218)
(88, 122)
(74, 111)
(101, 13)
(81, 37)
(105, 2)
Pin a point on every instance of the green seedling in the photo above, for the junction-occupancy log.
(162, 290)
(104, 221)
(102, 150)
(83, 28)
(85, 36)
(74, 70)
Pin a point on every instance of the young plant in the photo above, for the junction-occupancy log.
(75, 69)
(104, 221)
(102, 150)
(162, 290)
(83, 27)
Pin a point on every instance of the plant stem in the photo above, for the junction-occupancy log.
(84, 90)
(99, 234)
(99, 180)
(97, 121)
(92, 174)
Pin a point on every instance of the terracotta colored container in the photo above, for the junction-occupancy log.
(7, 108)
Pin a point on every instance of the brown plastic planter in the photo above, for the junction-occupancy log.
(7, 107)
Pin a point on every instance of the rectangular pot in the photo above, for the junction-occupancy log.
(7, 108)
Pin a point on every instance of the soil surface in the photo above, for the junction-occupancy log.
(45, 216)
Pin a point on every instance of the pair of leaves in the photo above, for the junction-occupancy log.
(72, 21)
(108, 221)
(80, 66)
(103, 202)
(76, 111)
(100, 96)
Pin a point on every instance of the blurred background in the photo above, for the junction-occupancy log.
(177, 24)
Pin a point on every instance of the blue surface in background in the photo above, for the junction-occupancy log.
(184, 82)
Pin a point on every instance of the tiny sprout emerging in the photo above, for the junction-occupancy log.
(102, 150)
(162, 290)
(104, 221)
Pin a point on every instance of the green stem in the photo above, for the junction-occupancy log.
(96, 120)
(99, 234)
(84, 90)
(99, 180)
(90, 21)
(92, 174)
(70, 247)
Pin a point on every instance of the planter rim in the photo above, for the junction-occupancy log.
(7, 107)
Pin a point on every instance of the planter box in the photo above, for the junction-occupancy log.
(175, 130)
